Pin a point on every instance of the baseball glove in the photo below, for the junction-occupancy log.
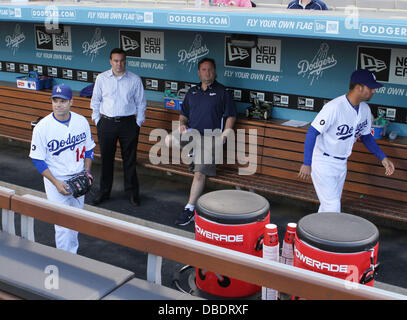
(80, 184)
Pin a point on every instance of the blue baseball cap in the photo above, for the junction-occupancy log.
(61, 91)
(365, 77)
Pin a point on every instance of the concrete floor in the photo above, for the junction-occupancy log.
(162, 199)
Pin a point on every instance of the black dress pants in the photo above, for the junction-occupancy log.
(126, 131)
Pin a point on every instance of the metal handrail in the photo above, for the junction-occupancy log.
(281, 277)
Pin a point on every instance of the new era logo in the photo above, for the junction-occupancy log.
(237, 53)
(43, 38)
(128, 43)
(320, 26)
(236, 56)
(371, 63)
(376, 60)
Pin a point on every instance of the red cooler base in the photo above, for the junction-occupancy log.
(243, 238)
(348, 266)
(222, 286)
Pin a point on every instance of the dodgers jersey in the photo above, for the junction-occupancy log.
(62, 146)
(340, 126)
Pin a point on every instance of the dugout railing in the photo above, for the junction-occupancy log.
(288, 279)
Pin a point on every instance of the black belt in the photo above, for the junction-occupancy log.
(340, 158)
(117, 119)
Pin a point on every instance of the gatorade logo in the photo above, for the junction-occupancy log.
(322, 266)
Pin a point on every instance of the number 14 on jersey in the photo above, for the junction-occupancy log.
(80, 154)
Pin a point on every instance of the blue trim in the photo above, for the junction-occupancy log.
(63, 122)
(310, 139)
(354, 107)
(339, 158)
(89, 154)
(371, 145)
(40, 165)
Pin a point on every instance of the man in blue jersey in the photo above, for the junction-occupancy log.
(330, 138)
(307, 5)
(204, 108)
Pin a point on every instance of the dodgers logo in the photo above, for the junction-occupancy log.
(315, 68)
(13, 41)
(344, 132)
(56, 147)
(360, 128)
(196, 51)
(92, 47)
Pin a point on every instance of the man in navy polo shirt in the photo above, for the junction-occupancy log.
(307, 4)
(204, 108)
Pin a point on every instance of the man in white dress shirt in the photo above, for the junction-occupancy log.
(118, 104)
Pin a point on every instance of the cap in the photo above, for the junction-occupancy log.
(365, 77)
(61, 91)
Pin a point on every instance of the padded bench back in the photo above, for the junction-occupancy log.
(23, 273)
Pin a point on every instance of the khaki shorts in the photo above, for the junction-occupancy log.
(205, 160)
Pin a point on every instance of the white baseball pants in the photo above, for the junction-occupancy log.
(65, 239)
(328, 176)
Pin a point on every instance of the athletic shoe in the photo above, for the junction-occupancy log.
(185, 217)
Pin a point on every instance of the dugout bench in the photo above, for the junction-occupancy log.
(279, 155)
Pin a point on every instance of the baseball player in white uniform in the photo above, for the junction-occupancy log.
(330, 138)
(61, 147)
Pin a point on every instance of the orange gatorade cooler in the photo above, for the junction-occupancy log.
(235, 220)
(337, 244)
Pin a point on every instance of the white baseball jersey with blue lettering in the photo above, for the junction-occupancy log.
(62, 147)
(340, 126)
